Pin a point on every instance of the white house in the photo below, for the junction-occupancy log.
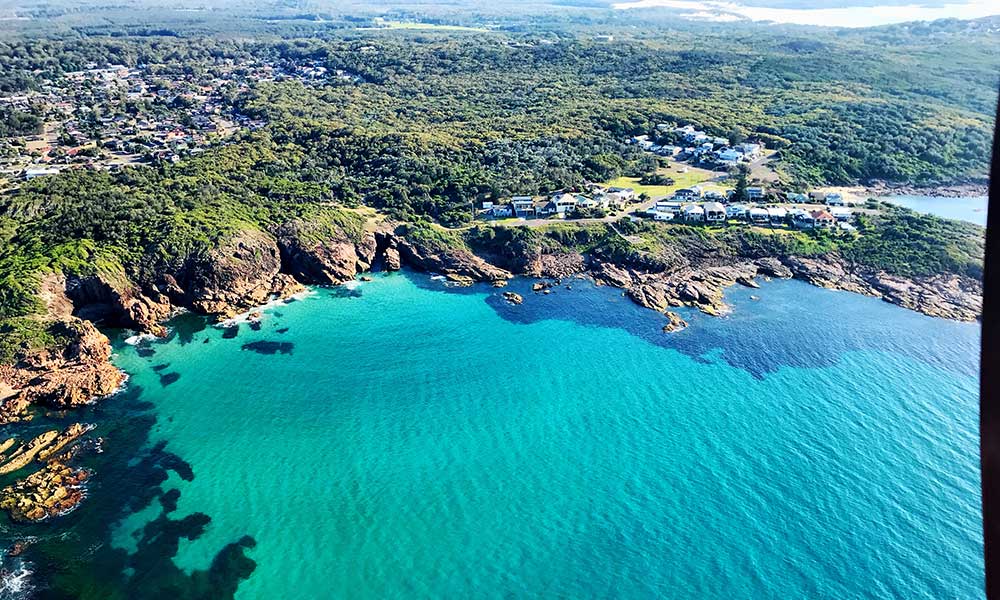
(751, 151)
(714, 212)
(662, 216)
(777, 215)
(834, 199)
(40, 172)
(564, 203)
(668, 206)
(693, 213)
(624, 194)
(823, 219)
(759, 215)
(755, 193)
(735, 211)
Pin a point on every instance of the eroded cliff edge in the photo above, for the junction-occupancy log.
(251, 266)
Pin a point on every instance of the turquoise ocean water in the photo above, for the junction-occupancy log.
(401, 440)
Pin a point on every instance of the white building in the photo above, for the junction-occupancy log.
(714, 212)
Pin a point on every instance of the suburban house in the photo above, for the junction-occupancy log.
(835, 200)
(662, 215)
(735, 211)
(803, 219)
(759, 215)
(501, 210)
(693, 213)
(843, 215)
(564, 203)
(692, 192)
(618, 197)
(755, 193)
(823, 219)
(668, 206)
(728, 155)
(523, 206)
(797, 197)
(749, 150)
(777, 215)
(714, 212)
(817, 196)
(39, 172)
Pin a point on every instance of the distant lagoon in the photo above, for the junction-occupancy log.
(855, 16)
(971, 209)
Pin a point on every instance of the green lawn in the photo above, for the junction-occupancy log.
(693, 176)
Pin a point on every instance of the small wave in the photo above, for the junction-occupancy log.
(438, 278)
(352, 284)
(139, 338)
(244, 317)
(15, 584)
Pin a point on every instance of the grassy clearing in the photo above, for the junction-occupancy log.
(692, 176)
(425, 27)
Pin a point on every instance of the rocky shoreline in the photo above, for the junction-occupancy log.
(255, 266)
(955, 190)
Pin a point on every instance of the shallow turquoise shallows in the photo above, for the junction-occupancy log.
(401, 440)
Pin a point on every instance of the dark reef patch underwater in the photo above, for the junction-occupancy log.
(74, 557)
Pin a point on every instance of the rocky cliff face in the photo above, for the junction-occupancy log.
(243, 272)
(64, 377)
(325, 260)
(450, 261)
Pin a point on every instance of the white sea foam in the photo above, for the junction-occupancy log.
(135, 340)
(263, 308)
(16, 583)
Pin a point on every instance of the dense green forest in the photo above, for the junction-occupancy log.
(434, 121)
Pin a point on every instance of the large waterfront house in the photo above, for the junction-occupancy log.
(500, 210)
(564, 203)
(735, 211)
(693, 213)
(714, 212)
(823, 219)
(523, 206)
(803, 219)
(777, 215)
(759, 216)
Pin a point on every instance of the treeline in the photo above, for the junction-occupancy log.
(16, 122)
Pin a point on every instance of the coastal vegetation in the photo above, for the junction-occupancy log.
(343, 143)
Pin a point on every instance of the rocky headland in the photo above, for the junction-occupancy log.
(253, 266)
